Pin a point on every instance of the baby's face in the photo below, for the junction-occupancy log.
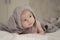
(27, 19)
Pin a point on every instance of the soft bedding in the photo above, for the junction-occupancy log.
(9, 36)
(48, 36)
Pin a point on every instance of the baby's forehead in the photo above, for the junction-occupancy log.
(26, 12)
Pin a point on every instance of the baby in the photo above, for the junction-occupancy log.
(24, 21)
(28, 21)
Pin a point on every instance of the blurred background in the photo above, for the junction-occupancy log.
(44, 9)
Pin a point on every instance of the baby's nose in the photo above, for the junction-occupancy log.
(28, 20)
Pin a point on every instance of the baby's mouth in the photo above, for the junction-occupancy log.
(29, 23)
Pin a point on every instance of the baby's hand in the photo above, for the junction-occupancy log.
(39, 28)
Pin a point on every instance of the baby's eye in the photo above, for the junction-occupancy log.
(24, 19)
(30, 15)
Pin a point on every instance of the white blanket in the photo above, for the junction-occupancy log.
(48, 36)
(54, 36)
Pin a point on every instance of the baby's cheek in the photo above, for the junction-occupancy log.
(33, 19)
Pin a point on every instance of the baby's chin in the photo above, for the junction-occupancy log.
(29, 26)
